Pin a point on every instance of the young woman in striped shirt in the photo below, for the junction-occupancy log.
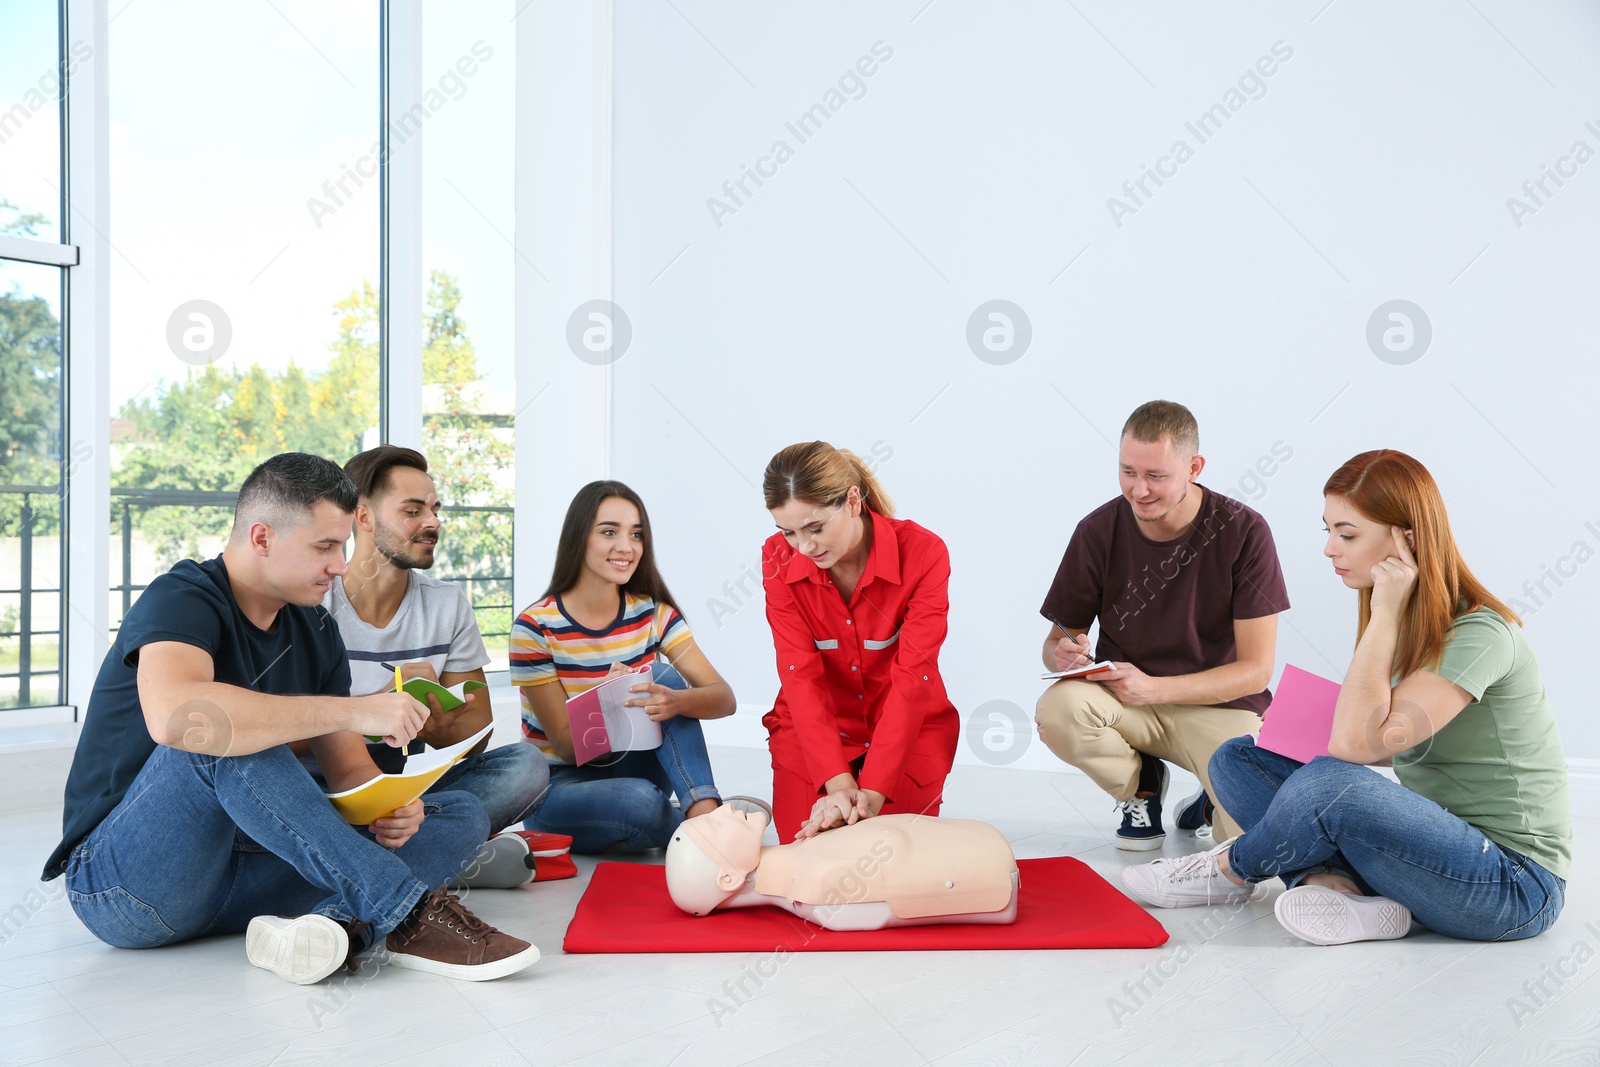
(608, 611)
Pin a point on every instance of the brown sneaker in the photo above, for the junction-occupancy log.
(443, 937)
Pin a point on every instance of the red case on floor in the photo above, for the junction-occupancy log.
(552, 855)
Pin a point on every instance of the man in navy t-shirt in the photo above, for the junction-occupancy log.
(1186, 587)
(186, 813)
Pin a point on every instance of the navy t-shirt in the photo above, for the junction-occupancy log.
(1168, 607)
(192, 603)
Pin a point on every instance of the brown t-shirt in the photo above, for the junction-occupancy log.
(1168, 607)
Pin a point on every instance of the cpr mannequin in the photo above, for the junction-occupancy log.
(892, 870)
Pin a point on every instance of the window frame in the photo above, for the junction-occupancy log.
(83, 254)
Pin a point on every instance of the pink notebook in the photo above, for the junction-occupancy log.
(601, 724)
(1299, 720)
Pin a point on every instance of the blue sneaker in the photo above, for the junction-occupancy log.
(1141, 817)
(1196, 814)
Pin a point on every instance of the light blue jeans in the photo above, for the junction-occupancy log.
(1329, 815)
(626, 800)
(203, 844)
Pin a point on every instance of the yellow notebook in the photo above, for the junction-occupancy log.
(385, 793)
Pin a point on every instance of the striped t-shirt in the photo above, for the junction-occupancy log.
(548, 646)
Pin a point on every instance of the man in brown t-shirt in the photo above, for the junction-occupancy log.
(1186, 586)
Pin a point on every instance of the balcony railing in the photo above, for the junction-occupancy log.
(483, 581)
(27, 673)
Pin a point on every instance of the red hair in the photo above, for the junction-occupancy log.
(1393, 489)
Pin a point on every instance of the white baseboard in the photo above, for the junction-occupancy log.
(1583, 782)
(54, 729)
(744, 730)
(33, 729)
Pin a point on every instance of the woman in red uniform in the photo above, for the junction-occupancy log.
(857, 601)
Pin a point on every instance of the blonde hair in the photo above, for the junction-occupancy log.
(815, 472)
(1152, 421)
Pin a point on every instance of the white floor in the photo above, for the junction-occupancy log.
(1228, 988)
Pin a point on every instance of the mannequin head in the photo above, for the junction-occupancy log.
(711, 856)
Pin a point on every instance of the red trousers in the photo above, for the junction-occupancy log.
(793, 795)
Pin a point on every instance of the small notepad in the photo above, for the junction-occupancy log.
(601, 724)
(1079, 672)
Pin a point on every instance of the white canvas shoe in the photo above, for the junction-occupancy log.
(1325, 916)
(1184, 882)
(302, 949)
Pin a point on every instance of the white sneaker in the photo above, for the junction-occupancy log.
(1325, 916)
(301, 949)
(1184, 882)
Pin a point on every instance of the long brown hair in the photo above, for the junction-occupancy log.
(814, 472)
(1391, 488)
(574, 543)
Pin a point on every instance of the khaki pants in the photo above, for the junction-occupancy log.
(1089, 728)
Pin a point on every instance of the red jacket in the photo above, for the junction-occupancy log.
(862, 678)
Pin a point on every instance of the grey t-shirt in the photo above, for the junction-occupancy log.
(434, 624)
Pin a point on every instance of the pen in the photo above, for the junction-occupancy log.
(399, 685)
(1065, 631)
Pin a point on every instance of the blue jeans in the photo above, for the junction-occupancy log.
(202, 844)
(511, 781)
(1329, 815)
(625, 799)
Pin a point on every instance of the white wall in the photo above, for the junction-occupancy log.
(833, 302)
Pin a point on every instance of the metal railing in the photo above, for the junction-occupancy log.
(124, 503)
(25, 592)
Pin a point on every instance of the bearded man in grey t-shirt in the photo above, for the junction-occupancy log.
(391, 614)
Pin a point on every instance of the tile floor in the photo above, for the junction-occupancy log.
(1230, 987)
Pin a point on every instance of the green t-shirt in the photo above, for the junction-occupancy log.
(1498, 764)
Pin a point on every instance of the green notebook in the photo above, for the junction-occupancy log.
(449, 699)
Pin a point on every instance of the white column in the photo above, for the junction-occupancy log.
(402, 224)
(87, 338)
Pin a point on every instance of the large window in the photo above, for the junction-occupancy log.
(33, 461)
(245, 196)
(245, 265)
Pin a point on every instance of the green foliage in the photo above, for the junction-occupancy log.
(22, 225)
(208, 431)
(30, 375)
(30, 395)
(30, 389)
(470, 456)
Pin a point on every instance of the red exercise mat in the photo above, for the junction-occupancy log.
(1064, 905)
